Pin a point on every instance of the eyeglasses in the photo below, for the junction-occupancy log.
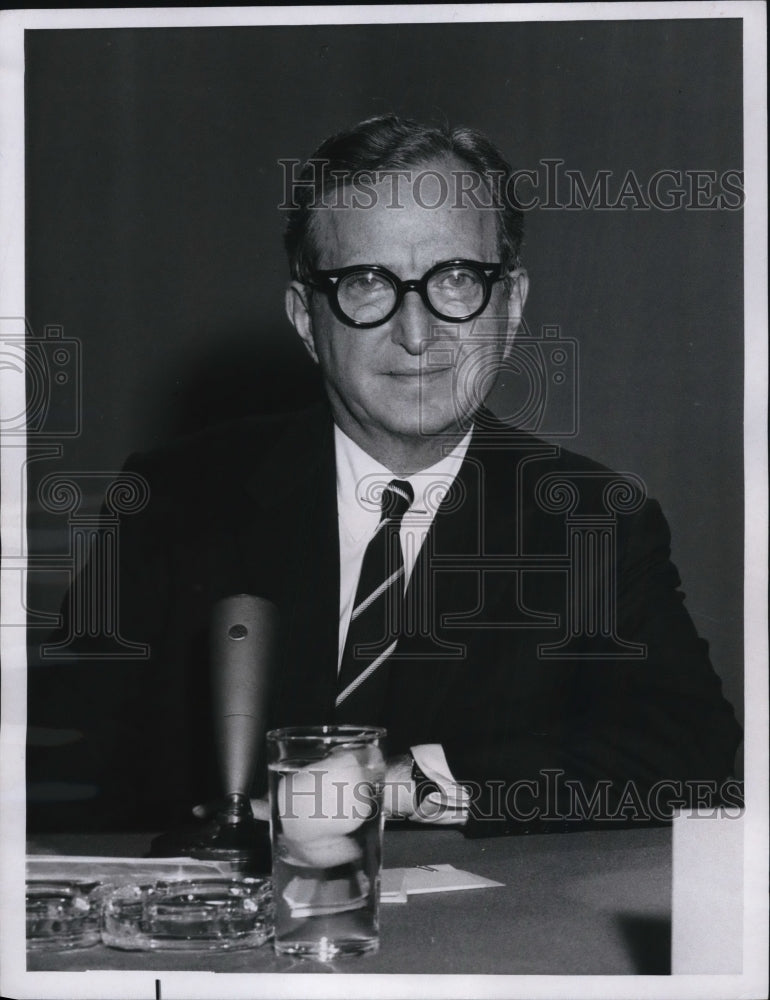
(367, 295)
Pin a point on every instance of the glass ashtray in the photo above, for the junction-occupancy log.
(62, 914)
(206, 914)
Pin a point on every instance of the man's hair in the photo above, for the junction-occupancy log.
(385, 143)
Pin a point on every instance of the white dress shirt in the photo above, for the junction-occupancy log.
(360, 480)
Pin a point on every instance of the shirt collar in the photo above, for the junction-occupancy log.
(360, 479)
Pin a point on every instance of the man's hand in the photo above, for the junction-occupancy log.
(398, 800)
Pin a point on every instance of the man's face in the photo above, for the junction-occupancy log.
(415, 375)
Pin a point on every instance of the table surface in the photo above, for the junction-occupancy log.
(595, 902)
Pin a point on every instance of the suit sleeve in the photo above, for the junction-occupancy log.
(628, 737)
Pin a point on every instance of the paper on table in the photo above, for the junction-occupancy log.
(398, 883)
(120, 871)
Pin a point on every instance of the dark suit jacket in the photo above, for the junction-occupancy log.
(515, 681)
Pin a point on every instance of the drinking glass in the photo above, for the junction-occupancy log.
(326, 821)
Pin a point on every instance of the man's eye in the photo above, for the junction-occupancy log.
(365, 283)
(457, 280)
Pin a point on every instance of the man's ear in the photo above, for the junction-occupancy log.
(518, 280)
(298, 311)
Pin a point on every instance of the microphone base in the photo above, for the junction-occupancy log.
(233, 837)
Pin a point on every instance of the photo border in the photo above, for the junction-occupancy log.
(753, 981)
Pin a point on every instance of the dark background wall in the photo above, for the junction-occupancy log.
(154, 238)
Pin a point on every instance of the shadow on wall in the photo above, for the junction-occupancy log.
(648, 938)
(235, 376)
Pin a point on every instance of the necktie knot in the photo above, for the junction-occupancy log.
(397, 498)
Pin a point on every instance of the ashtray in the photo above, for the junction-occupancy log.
(205, 914)
(62, 914)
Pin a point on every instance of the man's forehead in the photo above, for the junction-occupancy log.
(420, 209)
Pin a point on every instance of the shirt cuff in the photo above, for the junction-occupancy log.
(449, 802)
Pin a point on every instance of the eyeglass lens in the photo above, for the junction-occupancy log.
(368, 296)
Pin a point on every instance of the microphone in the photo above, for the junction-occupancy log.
(244, 633)
(243, 648)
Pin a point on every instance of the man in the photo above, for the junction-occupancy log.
(506, 608)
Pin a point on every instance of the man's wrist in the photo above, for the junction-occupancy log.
(423, 785)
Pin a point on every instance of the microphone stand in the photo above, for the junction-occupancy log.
(244, 633)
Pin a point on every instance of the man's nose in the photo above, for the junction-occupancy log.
(413, 324)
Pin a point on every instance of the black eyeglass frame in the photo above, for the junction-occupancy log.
(328, 281)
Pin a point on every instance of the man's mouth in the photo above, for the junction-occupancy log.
(419, 373)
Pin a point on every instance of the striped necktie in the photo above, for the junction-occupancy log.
(376, 619)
